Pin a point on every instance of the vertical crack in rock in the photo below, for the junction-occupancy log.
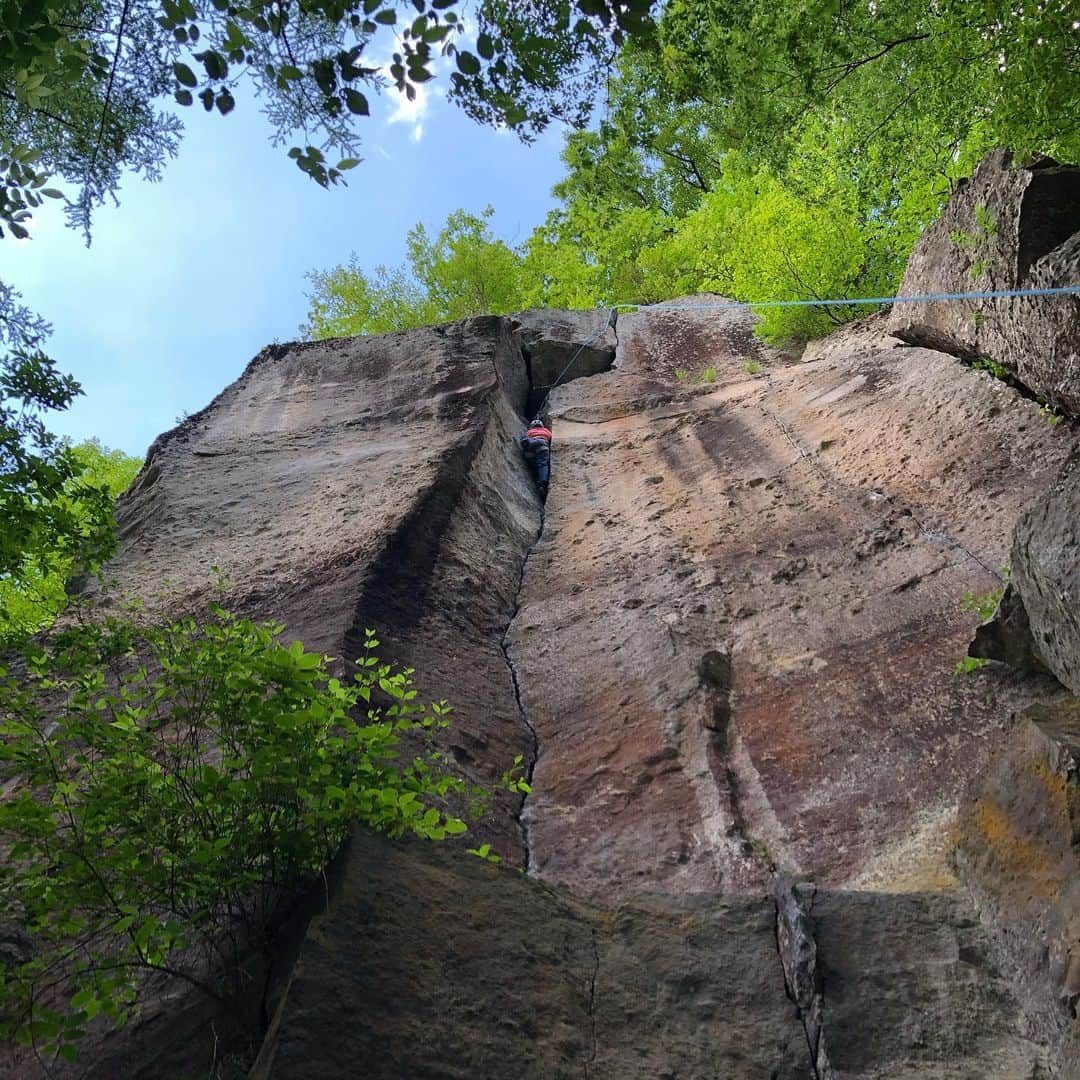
(534, 748)
(797, 948)
(592, 1005)
(731, 769)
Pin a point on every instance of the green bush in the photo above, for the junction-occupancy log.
(32, 592)
(173, 789)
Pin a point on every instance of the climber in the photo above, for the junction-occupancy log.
(536, 446)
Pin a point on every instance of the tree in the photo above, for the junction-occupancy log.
(81, 85)
(171, 790)
(781, 152)
(48, 512)
(33, 592)
(1003, 69)
(463, 271)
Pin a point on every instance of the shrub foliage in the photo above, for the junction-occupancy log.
(173, 789)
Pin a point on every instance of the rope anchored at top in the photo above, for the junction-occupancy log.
(997, 294)
(609, 324)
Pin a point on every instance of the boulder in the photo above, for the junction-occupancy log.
(431, 964)
(1009, 227)
(1018, 850)
(570, 344)
(1046, 579)
(1006, 637)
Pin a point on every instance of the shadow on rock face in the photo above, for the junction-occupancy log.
(1006, 636)
(563, 346)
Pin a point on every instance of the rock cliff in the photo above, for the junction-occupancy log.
(1009, 227)
(772, 833)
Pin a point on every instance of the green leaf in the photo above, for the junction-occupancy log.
(185, 75)
(346, 163)
(386, 17)
(485, 47)
(183, 97)
(356, 103)
(216, 65)
(468, 64)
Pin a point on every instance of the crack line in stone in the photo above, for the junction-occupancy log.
(592, 1003)
(504, 645)
(813, 1045)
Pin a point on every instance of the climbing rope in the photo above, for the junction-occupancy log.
(610, 324)
(997, 294)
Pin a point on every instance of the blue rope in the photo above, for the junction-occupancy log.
(1063, 290)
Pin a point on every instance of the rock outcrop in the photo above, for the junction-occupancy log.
(1009, 227)
(1046, 576)
(428, 965)
(560, 346)
(370, 482)
(819, 525)
(1037, 623)
(1019, 851)
(726, 650)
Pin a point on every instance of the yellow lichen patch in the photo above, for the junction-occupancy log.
(1024, 856)
(1059, 790)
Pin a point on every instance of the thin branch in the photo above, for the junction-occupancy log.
(112, 80)
(827, 308)
(684, 159)
(853, 66)
(44, 112)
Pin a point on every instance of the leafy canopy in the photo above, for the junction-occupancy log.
(82, 85)
(785, 151)
(51, 515)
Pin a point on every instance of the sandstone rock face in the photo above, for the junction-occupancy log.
(353, 484)
(1007, 228)
(1019, 850)
(910, 991)
(725, 650)
(566, 344)
(1046, 575)
(428, 965)
(818, 524)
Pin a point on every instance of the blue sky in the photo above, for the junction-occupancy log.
(190, 277)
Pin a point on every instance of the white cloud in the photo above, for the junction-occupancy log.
(412, 112)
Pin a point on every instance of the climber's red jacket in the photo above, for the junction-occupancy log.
(538, 431)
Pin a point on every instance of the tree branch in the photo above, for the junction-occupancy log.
(685, 160)
(43, 112)
(849, 68)
(112, 80)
